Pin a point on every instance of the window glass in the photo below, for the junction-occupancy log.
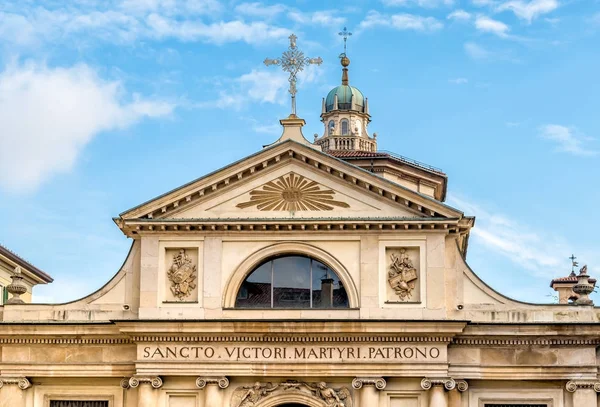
(256, 290)
(344, 127)
(292, 282)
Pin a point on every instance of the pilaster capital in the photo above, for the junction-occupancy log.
(155, 381)
(573, 385)
(461, 385)
(21, 382)
(378, 382)
(221, 381)
(448, 383)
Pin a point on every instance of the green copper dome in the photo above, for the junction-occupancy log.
(346, 95)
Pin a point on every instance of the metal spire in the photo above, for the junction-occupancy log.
(345, 33)
(573, 264)
(293, 61)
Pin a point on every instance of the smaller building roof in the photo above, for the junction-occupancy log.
(25, 265)
(569, 279)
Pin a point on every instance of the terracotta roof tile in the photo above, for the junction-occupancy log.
(570, 279)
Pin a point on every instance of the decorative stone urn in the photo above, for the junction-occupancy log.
(583, 288)
(16, 287)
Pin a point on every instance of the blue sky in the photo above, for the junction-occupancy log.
(106, 104)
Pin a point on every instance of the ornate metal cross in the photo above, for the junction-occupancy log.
(573, 264)
(345, 34)
(293, 61)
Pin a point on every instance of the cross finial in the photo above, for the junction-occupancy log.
(345, 34)
(573, 264)
(293, 61)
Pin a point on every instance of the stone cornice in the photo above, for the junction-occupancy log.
(378, 382)
(291, 339)
(524, 341)
(221, 381)
(303, 225)
(65, 341)
(22, 382)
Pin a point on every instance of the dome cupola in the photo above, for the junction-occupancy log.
(345, 114)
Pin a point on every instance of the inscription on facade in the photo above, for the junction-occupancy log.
(262, 353)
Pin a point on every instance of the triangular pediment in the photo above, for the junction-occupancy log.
(290, 180)
(291, 191)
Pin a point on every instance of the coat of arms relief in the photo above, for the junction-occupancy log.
(182, 275)
(402, 274)
(252, 396)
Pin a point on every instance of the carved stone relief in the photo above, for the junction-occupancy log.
(403, 274)
(182, 275)
(292, 193)
(252, 396)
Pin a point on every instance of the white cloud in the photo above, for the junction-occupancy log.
(323, 17)
(459, 81)
(126, 22)
(218, 33)
(529, 10)
(401, 22)
(537, 251)
(486, 24)
(260, 86)
(420, 3)
(476, 51)
(260, 10)
(568, 139)
(48, 115)
(483, 3)
(459, 15)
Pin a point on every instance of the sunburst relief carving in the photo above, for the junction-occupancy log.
(292, 193)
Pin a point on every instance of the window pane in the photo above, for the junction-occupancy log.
(291, 282)
(255, 292)
(328, 291)
(344, 127)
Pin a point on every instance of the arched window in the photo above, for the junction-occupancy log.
(331, 127)
(344, 124)
(292, 281)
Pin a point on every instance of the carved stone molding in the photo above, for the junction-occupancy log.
(125, 383)
(448, 383)
(222, 382)
(462, 385)
(260, 393)
(182, 275)
(402, 274)
(573, 385)
(378, 382)
(21, 382)
(156, 382)
(293, 193)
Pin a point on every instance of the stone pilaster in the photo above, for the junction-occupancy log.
(369, 389)
(12, 391)
(455, 395)
(436, 386)
(147, 396)
(584, 392)
(213, 396)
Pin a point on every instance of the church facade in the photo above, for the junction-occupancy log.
(310, 274)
